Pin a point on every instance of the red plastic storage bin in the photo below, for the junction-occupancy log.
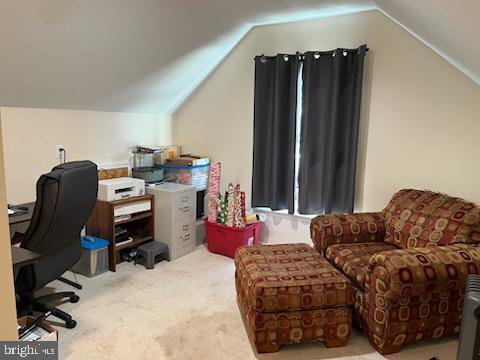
(224, 240)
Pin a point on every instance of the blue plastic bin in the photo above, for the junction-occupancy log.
(94, 260)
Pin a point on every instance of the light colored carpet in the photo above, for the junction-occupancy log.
(186, 309)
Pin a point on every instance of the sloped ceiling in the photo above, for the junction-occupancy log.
(451, 28)
(149, 55)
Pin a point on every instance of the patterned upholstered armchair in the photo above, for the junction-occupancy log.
(408, 264)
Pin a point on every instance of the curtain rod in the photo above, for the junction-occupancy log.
(316, 53)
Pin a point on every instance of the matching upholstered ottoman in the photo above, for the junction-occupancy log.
(291, 294)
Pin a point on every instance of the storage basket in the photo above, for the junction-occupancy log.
(224, 240)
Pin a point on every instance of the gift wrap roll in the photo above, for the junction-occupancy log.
(213, 191)
(253, 218)
(239, 221)
(230, 205)
(244, 208)
(222, 208)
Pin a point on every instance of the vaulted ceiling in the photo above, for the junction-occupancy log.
(149, 55)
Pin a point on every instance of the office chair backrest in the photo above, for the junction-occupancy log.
(65, 198)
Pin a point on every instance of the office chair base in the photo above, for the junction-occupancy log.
(62, 315)
(58, 295)
(39, 304)
(70, 324)
(70, 282)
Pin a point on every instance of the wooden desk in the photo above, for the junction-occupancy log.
(20, 222)
(22, 217)
(22, 257)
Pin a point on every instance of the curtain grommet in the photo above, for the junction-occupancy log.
(285, 57)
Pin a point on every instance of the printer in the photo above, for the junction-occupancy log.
(120, 188)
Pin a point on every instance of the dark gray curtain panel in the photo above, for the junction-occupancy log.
(274, 132)
(332, 86)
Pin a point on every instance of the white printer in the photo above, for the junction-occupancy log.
(120, 188)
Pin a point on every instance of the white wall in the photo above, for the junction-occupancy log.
(31, 135)
(283, 228)
(419, 122)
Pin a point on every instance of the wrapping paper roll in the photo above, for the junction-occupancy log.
(214, 191)
(244, 209)
(253, 218)
(222, 210)
(239, 221)
(230, 205)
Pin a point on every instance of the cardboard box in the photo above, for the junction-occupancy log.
(188, 160)
(52, 332)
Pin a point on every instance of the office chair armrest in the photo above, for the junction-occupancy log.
(17, 238)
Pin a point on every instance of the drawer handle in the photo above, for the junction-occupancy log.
(186, 208)
(185, 227)
(185, 199)
(186, 237)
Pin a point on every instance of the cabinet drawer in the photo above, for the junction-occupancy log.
(184, 206)
(184, 234)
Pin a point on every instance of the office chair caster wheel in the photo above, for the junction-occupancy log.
(74, 299)
(70, 324)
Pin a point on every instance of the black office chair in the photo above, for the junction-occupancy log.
(65, 198)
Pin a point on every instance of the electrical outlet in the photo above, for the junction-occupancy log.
(59, 151)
